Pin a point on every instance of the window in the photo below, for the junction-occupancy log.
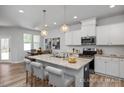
(27, 42)
(36, 41)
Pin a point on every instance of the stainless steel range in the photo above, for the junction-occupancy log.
(89, 53)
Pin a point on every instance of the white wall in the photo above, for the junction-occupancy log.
(16, 41)
(119, 50)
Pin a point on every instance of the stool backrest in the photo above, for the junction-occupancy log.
(56, 76)
(27, 65)
(37, 69)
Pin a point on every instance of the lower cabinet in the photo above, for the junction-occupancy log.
(115, 67)
(99, 65)
(110, 66)
(107, 67)
(121, 68)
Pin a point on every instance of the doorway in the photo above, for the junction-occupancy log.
(4, 49)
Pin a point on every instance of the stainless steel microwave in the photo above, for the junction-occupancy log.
(89, 40)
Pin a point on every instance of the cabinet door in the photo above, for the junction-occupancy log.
(91, 30)
(103, 37)
(107, 66)
(84, 32)
(117, 34)
(88, 30)
(68, 38)
(99, 65)
(115, 67)
(77, 37)
(121, 68)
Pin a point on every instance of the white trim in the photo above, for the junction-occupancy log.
(21, 61)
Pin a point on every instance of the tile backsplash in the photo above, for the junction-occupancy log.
(109, 50)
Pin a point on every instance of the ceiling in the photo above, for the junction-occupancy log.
(32, 18)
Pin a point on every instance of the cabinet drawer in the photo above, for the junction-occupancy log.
(122, 59)
(115, 59)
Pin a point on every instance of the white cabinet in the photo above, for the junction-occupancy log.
(110, 34)
(88, 30)
(68, 38)
(99, 65)
(73, 38)
(117, 34)
(88, 27)
(102, 65)
(84, 32)
(121, 68)
(109, 66)
(102, 37)
(114, 67)
(76, 37)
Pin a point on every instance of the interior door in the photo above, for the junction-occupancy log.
(4, 49)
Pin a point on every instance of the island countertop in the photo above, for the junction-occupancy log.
(61, 62)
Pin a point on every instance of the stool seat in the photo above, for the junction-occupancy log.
(28, 69)
(38, 70)
(58, 78)
(28, 65)
(36, 64)
(54, 70)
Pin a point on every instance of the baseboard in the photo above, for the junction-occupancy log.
(114, 77)
(12, 61)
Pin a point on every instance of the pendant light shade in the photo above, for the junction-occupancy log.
(44, 31)
(64, 27)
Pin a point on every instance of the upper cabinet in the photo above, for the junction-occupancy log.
(88, 27)
(68, 38)
(102, 37)
(77, 37)
(117, 34)
(110, 34)
(73, 38)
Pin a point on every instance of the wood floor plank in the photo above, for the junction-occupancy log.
(13, 75)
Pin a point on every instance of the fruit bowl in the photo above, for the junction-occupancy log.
(72, 59)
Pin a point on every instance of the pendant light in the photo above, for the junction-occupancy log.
(64, 27)
(44, 31)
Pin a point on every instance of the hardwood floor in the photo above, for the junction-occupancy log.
(13, 75)
(105, 81)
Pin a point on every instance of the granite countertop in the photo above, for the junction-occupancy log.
(112, 56)
(61, 62)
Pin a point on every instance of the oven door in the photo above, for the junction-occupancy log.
(88, 40)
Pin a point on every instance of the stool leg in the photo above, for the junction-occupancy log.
(26, 77)
(31, 79)
(35, 80)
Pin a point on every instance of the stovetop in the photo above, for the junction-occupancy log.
(86, 56)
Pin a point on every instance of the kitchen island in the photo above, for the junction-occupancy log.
(75, 70)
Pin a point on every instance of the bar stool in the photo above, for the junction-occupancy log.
(28, 69)
(38, 71)
(57, 77)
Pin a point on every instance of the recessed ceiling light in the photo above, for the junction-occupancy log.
(21, 11)
(54, 23)
(112, 6)
(75, 17)
(36, 28)
(46, 25)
